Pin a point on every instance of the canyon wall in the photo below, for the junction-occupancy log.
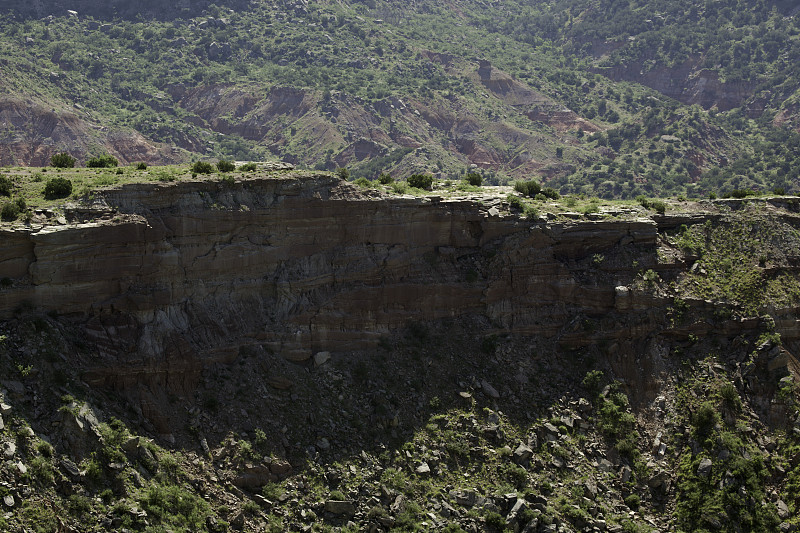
(165, 280)
(305, 264)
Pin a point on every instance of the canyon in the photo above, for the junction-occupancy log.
(168, 279)
(281, 344)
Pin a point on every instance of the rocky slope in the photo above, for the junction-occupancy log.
(290, 352)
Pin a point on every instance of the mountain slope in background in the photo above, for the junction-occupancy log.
(612, 99)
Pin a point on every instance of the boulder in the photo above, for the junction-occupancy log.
(340, 507)
(254, 478)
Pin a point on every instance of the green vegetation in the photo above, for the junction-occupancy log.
(735, 467)
(420, 181)
(734, 258)
(225, 166)
(57, 188)
(103, 161)
(62, 160)
(407, 78)
(528, 188)
(202, 167)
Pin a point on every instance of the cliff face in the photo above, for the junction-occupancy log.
(186, 274)
(305, 264)
(167, 279)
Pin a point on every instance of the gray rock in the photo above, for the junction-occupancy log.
(783, 509)
(704, 468)
(8, 499)
(513, 517)
(466, 498)
(70, 468)
(320, 358)
(238, 521)
(523, 454)
(254, 477)
(550, 432)
(490, 391)
(340, 507)
(605, 465)
(9, 450)
(658, 479)
(16, 388)
(423, 469)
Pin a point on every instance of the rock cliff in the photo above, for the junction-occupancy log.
(168, 279)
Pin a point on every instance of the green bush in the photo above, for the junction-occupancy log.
(420, 181)
(515, 202)
(593, 381)
(62, 160)
(385, 178)
(551, 193)
(103, 161)
(141, 166)
(527, 188)
(363, 183)
(248, 167)
(57, 188)
(656, 205)
(633, 501)
(228, 180)
(343, 173)
(474, 179)
(400, 187)
(225, 166)
(202, 167)
(730, 397)
(5, 186)
(705, 419)
(9, 211)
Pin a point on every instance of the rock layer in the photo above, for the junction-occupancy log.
(305, 264)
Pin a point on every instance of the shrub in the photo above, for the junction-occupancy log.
(385, 178)
(515, 202)
(343, 173)
(474, 179)
(225, 166)
(531, 211)
(363, 182)
(5, 186)
(656, 205)
(103, 161)
(592, 382)
(248, 167)
(730, 397)
(141, 166)
(705, 419)
(202, 167)
(228, 180)
(399, 187)
(551, 193)
(741, 193)
(527, 188)
(57, 188)
(420, 181)
(9, 211)
(62, 160)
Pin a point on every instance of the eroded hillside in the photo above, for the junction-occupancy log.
(285, 351)
(602, 98)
